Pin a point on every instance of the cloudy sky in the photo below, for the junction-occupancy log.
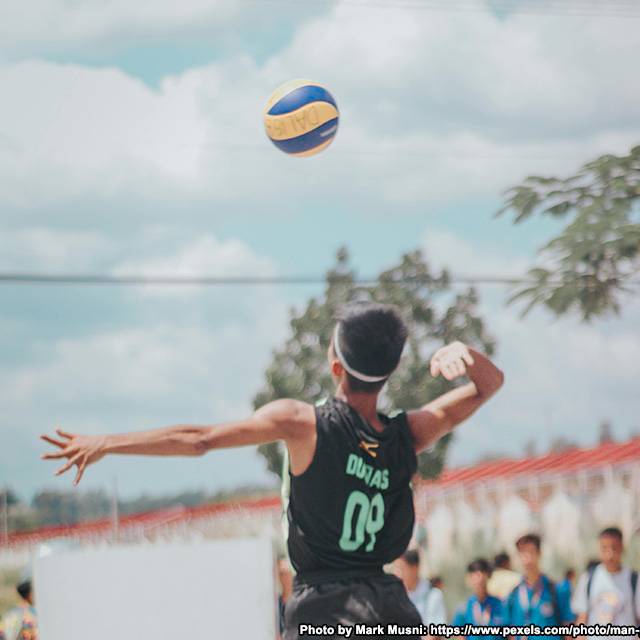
(131, 142)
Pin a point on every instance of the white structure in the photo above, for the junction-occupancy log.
(222, 589)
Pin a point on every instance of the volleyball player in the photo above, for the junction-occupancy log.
(350, 508)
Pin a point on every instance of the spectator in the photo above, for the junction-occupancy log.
(607, 592)
(437, 582)
(592, 564)
(481, 609)
(429, 601)
(536, 599)
(21, 622)
(503, 580)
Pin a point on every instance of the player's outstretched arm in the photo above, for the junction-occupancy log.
(440, 416)
(288, 420)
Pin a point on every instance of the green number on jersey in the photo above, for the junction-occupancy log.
(370, 519)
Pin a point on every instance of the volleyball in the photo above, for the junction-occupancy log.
(301, 118)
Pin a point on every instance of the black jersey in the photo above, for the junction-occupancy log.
(352, 509)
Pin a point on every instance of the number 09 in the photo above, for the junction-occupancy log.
(369, 520)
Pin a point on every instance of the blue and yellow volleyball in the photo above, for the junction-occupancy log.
(301, 118)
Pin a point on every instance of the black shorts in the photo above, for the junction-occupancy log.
(370, 600)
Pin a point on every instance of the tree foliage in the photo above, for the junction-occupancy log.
(589, 266)
(434, 314)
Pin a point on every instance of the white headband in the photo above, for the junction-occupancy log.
(356, 374)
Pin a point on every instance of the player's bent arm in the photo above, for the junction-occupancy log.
(443, 414)
(288, 420)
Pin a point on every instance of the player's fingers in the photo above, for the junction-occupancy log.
(54, 456)
(64, 434)
(81, 467)
(447, 371)
(53, 441)
(435, 367)
(460, 368)
(467, 357)
(68, 464)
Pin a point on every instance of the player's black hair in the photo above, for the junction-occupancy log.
(372, 338)
(24, 589)
(529, 538)
(411, 557)
(501, 560)
(613, 532)
(479, 564)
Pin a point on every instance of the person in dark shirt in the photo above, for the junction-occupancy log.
(350, 503)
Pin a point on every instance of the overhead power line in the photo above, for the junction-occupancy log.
(398, 151)
(569, 8)
(204, 280)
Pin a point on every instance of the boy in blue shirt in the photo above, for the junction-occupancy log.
(536, 599)
(481, 609)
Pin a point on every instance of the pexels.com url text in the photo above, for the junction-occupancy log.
(450, 631)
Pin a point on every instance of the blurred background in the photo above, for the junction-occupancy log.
(485, 177)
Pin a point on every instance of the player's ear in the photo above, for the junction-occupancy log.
(336, 368)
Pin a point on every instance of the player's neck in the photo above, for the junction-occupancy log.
(613, 568)
(532, 576)
(481, 595)
(366, 404)
(412, 582)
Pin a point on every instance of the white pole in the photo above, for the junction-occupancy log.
(115, 519)
(5, 515)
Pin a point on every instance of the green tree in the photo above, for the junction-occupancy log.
(589, 266)
(61, 507)
(11, 497)
(434, 314)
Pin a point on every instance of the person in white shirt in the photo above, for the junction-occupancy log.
(608, 593)
(428, 600)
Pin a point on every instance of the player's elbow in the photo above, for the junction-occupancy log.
(189, 441)
(495, 382)
(202, 443)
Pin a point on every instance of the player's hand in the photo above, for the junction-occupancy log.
(451, 361)
(80, 451)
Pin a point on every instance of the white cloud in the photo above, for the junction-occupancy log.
(152, 362)
(204, 256)
(562, 379)
(434, 107)
(133, 379)
(445, 249)
(149, 363)
(56, 22)
(35, 248)
(69, 131)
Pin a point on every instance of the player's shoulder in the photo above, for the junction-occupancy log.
(288, 410)
(290, 419)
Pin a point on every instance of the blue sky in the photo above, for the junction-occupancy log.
(131, 141)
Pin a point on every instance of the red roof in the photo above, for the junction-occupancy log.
(569, 460)
(147, 521)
